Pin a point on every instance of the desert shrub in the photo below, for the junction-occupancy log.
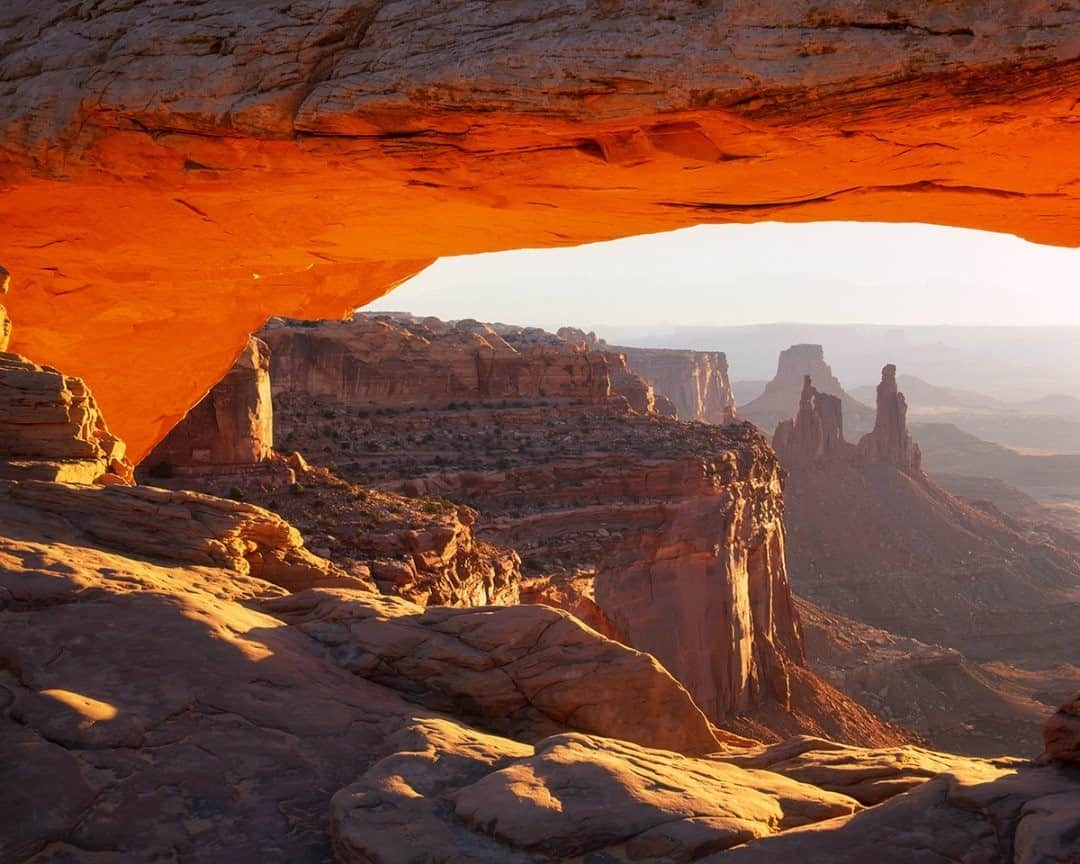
(236, 493)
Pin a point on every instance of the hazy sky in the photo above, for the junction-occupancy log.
(839, 272)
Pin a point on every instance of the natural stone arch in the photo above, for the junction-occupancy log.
(174, 174)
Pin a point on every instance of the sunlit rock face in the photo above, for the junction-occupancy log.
(232, 427)
(174, 174)
(696, 382)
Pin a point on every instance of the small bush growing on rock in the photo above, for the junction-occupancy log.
(236, 493)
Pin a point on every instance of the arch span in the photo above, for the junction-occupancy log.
(173, 174)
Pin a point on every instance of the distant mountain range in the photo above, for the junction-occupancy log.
(1013, 364)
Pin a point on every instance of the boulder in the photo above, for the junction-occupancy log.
(51, 428)
(520, 671)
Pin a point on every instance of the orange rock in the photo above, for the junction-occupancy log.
(233, 426)
(51, 428)
(271, 160)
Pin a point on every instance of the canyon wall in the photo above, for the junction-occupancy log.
(397, 360)
(665, 534)
(696, 382)
(233, 425)
(267, 159)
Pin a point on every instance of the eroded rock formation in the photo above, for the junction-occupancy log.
(232, 427)
(524, 671)
(783, 394)
(266, 159)
(872, 538)
(396, 360)
(696, 382)
(890, 441)
(51, 428)
(816, 432)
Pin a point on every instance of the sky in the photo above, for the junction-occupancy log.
(825, 272)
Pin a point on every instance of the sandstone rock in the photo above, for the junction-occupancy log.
(5, 330)
(1025, 817)
(451, 794)
(521, 671)
(868, 776)
(913, 117)
(783, 394)
(233, 426)
(186, 527)
(695, 382)
(387, 360)
(425, 550)
(147, 710)
(51, 428)
(817, 432)
(890, 440)
(1061, 734)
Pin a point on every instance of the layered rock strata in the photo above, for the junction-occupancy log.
(525, 671)
(188, 527)
(232, 427)
(423, 549)
(392, 360)
(51, 428)
(696, 382)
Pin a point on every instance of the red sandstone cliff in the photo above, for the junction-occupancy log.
(696, 382)
(664, 534)
(233, 426)
(816, 432)
(384, 359)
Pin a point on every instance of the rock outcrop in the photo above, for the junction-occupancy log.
(186, 527)
(395, 360)
(816, 432)
(783, 394)
(696, 382)
(452, 793)
(231, 428)
(872, 538)
(300, 160)
(522, 671)
(51, 428)
(423, 549)
(1061, 735)
(890, 442)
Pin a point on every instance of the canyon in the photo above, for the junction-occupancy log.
(917, 600)
(397, 590)
(211, 130)
(434, 722)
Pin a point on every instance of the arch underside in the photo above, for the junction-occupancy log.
(196, 174)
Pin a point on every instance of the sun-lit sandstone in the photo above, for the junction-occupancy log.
(173, 175)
